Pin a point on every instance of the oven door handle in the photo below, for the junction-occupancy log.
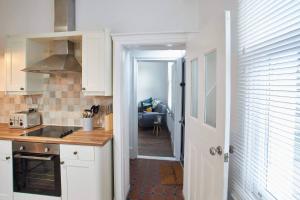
(33, 157)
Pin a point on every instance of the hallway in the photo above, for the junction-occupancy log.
(145, 181)
(152, 145)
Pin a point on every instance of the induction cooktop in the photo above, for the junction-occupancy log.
(53, 131)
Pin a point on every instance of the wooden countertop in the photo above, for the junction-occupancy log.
(97, 137)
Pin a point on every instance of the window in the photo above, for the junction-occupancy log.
(210, 88)
(266, 162)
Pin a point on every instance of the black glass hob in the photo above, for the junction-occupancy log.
(53, 131)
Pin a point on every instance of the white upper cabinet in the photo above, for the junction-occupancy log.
(97, 64)
(17, 81)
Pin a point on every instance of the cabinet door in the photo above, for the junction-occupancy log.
(6, 172)
(77, 180)
(93, 63)
(16, 79)
(6, 180)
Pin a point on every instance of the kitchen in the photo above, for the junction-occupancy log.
(57, 139)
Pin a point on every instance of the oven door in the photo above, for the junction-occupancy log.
(37, 174)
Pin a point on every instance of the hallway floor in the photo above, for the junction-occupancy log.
(146, 184)
(152, 145)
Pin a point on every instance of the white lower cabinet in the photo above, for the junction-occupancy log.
(6, 170)
(86, 172)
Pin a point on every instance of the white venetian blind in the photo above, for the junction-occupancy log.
(266, 162)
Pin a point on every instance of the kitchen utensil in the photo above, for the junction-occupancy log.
(95, 109)
(87, 114)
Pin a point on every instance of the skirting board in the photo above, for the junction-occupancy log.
(156, 158)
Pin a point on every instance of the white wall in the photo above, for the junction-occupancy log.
(138, 15)
(152, 80)
(34, 16)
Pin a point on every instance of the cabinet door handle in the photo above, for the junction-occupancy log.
(83, 88)
(75, 153)
(21, 88)
(62, 162)
(7, 158)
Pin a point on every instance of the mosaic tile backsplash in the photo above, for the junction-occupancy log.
(61, 103)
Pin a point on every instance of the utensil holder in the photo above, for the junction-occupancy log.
(88, 124)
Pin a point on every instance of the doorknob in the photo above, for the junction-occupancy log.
(213, 151)
(219, 150)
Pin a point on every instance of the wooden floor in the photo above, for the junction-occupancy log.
(151, 145)
(145, 182)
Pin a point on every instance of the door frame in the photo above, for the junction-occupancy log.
(121, 100)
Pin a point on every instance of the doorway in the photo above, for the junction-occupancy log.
(156, 137)
(155, 109)
(124, 100)
(156, 86)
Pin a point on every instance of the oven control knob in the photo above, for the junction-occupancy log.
(47, 150)
(21, 123)
(22, 148)
(11, 123)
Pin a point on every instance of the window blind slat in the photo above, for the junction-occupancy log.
(266, 131)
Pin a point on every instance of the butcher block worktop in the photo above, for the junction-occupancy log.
(97, 137)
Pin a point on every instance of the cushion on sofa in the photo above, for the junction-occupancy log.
(147, 103)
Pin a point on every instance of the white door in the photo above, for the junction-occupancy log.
(208, 112)
(177, 107)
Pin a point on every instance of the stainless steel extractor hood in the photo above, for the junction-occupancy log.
(63, 59)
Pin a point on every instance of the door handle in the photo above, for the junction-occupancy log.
(33, 157)
(219, 150)
(213, 151)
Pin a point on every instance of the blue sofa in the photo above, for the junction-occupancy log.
(146, 119)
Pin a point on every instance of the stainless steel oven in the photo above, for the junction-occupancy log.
(36, 168)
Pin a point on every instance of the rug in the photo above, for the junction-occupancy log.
(171, 174)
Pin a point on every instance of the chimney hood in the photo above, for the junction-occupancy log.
(63, 59)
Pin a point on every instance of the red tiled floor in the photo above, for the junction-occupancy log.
(145, 182)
